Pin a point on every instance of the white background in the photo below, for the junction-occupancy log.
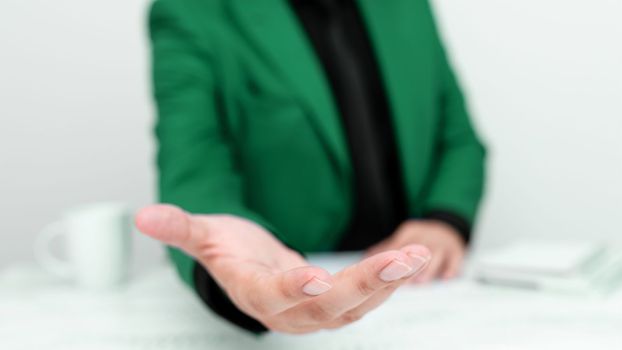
(544, 78)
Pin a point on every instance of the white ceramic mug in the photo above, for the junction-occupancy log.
(97, 244)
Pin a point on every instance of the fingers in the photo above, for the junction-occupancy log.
(356, 284)
(368, 305)
(168, 224)
(375, 300)
(433, 269)
(453, 265)
(445, 264)
(274, 293)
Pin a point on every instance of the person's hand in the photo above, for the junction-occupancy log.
(445, 243)
(274, 284)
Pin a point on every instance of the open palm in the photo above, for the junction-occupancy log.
(273, 283)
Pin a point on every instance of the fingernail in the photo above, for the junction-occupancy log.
(394, 271)
(316, 287)
(419, 262)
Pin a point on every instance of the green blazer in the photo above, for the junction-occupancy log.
(247, 124)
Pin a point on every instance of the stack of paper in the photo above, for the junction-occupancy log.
(563, 266)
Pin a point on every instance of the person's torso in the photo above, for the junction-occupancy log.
(282, 120)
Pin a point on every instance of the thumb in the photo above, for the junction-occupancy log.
(168, 224)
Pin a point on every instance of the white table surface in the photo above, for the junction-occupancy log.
(156, 311)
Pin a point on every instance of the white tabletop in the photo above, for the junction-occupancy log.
(157, 312)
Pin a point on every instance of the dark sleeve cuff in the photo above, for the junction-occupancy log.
(214, 297)
(460, 224)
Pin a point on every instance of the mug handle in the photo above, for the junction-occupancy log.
(43, 254)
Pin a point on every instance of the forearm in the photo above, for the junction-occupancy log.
(457, 184)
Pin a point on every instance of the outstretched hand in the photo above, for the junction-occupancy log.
(273, 283)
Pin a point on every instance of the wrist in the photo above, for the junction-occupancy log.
(443, 226)
(434, 227)
(457, 223)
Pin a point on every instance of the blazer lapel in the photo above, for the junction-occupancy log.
(394, 58)
(404, 75)
(274, 28)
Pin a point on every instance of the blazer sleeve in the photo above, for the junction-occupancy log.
(459, 173)
(196, 164)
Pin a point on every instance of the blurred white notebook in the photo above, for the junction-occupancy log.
(565, 266)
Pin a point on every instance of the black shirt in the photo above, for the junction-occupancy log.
(338, 35)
